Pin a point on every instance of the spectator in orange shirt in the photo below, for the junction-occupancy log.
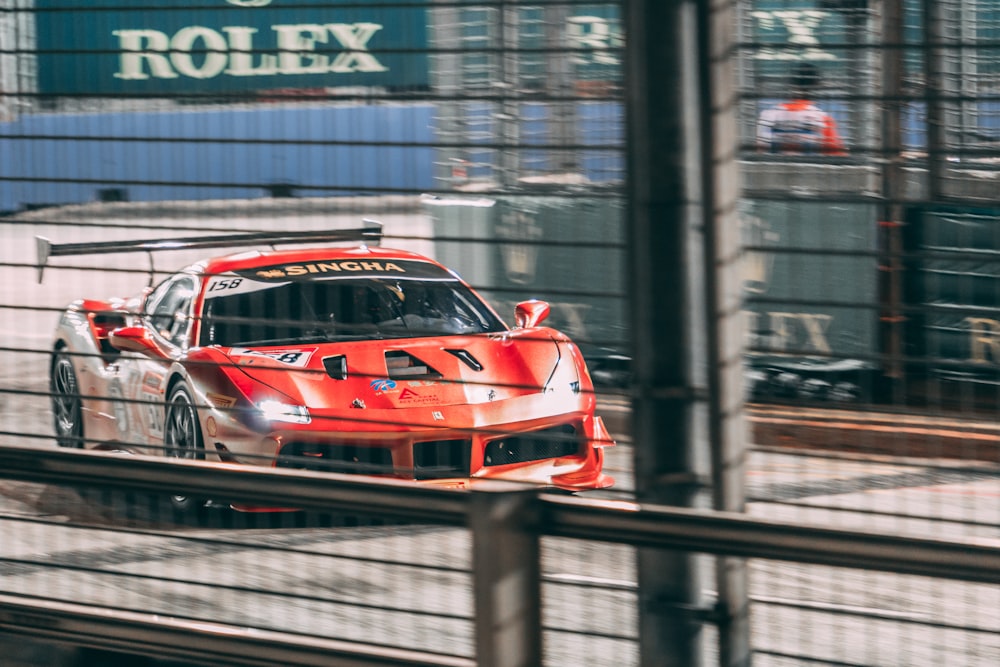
(799, 127)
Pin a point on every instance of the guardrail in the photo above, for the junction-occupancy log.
(506, 524)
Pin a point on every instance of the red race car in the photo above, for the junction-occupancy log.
(349, 359)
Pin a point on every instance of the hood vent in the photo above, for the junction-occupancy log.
(466, 357)
(403, 365)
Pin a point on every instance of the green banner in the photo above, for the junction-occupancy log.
(225, 46)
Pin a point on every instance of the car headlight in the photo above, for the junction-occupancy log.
(283, 412)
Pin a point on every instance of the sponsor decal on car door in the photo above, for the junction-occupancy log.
(143, 391)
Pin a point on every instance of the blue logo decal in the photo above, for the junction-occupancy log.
(382, 385)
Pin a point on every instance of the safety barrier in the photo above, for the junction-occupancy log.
(506, 524)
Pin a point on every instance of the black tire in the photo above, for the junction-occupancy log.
(67, 406)
(182, 439)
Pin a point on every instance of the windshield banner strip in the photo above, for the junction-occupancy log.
(347, 268)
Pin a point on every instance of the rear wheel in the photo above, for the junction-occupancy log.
(182, 439)
(67, 406)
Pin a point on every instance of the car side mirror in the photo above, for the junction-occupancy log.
(135, 339)
(529, 314)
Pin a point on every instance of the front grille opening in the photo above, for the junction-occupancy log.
(400, 364)
(342, 458)
(437, 459)
(535, 446)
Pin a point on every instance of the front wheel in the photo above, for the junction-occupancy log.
(182, 439)
(67, 406)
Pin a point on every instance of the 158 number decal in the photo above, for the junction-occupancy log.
(224, 284)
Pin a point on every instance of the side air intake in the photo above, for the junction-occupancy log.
(336, 366)
(403, 365)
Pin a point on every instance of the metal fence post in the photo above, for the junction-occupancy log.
(507, 577)
(725, 337)
(666, 289)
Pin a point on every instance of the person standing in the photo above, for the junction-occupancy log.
(799, 126)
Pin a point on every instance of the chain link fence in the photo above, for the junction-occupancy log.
(492, 136)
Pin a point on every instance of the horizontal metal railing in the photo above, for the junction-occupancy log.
(506, 521)
(215, 644)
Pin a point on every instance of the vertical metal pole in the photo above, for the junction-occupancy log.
(8, 63)
(935, 66)
(664, 218)
(724, 332)
(447, 73)
(959, 72)
(507, 578)
(16, 55)
(891, 218)
(862, 130)
(508, 117)
(559, 84)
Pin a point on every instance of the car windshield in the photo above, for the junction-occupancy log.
(341, 309)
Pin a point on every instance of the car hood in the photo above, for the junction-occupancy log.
(410, 372)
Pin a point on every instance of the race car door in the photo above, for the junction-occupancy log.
(167, 317)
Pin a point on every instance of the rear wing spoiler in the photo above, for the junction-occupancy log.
(370, 234)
